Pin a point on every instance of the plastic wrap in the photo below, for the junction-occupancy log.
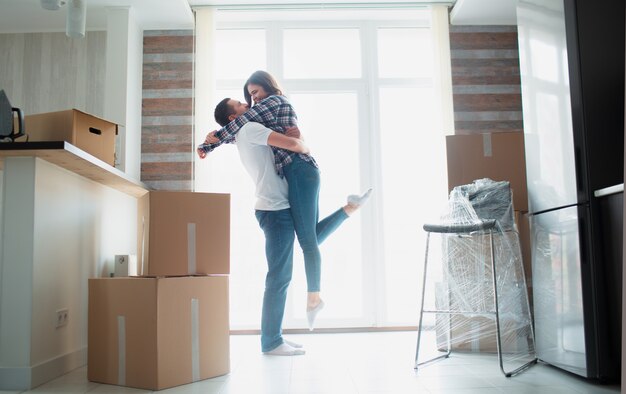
(460, 278)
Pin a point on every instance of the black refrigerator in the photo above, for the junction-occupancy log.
(572, 77)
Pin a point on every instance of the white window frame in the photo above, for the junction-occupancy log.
(367, 88)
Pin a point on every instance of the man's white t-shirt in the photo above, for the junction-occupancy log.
(258, 159)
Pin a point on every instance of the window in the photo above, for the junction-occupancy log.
(230, 44)
(362, 84)
(404, 53)
(322, 53)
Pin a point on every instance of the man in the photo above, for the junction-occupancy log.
(274, 217)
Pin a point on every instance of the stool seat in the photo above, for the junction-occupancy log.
(460, 228)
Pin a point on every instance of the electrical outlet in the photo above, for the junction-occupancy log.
(63, 316)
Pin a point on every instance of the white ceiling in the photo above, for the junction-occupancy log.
(484, 12)
(19, 16)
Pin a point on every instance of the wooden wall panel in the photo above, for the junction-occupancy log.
(167, 151)
(485, 79)
(44, 72)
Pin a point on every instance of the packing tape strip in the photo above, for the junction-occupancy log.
(195, 340)
(475, 342)
(121, 350)
(487, 150)
(191, 248)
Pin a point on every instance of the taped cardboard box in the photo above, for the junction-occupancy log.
(189, 234)
(468, 287)
(155, 333)
(94, 135)
(498, 156)
(478, 334)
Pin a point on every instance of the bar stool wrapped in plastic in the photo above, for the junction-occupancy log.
(474, 291)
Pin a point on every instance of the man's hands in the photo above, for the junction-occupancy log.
(293, 132)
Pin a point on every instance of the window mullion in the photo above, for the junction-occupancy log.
(371, 176)
(275, 51)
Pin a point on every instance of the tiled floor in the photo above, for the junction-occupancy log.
(354, 363)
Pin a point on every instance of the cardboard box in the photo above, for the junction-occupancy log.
(94, 135)
(154, 333)
(498, 156)
(469, 271)
(478, 334)
(189, 234)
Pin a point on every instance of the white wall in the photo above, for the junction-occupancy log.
(62, 228)
(79, 227)
(76, 227)
(122, 104)
(16, 264)
(59, 228)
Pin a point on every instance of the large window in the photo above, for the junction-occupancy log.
(363, 88)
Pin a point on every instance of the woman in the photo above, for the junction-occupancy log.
(275, 112)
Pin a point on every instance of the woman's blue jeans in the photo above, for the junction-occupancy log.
(303, 181)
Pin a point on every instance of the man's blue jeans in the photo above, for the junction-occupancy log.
(279, 238)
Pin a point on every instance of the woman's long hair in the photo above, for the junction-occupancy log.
(263, 79)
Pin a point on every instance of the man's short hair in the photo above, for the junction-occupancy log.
(223, 111)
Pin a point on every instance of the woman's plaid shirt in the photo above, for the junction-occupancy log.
(275, 113)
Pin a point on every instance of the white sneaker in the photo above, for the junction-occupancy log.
(357, 200)
(285, 350)
(293, 344)
(312, 314)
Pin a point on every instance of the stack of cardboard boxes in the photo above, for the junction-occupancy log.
(169, 326)
(500, 157)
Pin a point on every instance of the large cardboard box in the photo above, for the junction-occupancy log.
(498, 156)
(478, 334)
(93, 135)
(154, 333)
(189, 234)
(470, 275)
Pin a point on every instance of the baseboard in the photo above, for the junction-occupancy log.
(26, 378)
(348, 330)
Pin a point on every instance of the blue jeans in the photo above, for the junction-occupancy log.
(279, 237)
(304, 189)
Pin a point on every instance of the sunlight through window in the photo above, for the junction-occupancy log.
(363, 91)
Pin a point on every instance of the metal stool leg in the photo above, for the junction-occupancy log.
(497, 310)
(419, 327)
